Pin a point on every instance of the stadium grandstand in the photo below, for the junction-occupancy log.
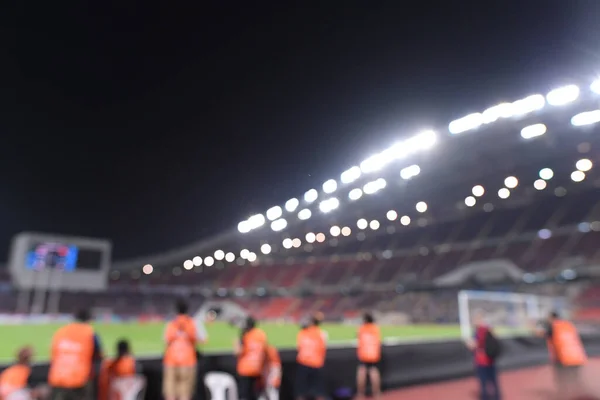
(400, 233)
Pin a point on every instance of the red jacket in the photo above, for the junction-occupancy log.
(481, 359)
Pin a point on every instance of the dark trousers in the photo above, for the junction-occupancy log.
(488, 381)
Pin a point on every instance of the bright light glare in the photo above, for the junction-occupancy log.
(528, 105)
(304, 214)
(392, 215)
(540, 184)
(244, 253)
(595, 86)
(320, 237)
(350, 175)
(492, 114)
(374, 186)
(478, 191)
(147, 269)
(577, 176)
(292, 204)
(287, 243)
(252, 257)
(265, 248)
(274, 212)
(583, 165)
(504, 193)
(410, 172)
(563, 95)
(405, 220)
(532, 131)
(586, 118)
(230, 257)
(188, 264)
(466, 123)
(310, 237)
(355, 194)
(311, 195)
(330, 186)
(362, 223)
(197, 261)
(278, 225)
(335, 231)
(421, 207)
(329, 205)
(296, 243)
(374, 225)
(546, 174)
(346, 231)
(219, 255)
(511, 182)
(470, 201)
(244, 227)
(209, 261)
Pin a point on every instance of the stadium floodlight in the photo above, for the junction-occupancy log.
(504, 193)
(466, 123)
(265, 248)
(540, 184)
(219, 255)
(209, 261)
(374, 186)
(311, 195)
(278, 225)
(492, 114)
(256, 221)
(252, 257)
(310, 237)
(546, 174)
(244, 227)
(355, 194)
(511, 182)
(274, 212)
(329, 205)
(529, 104)
(292, 204)
(330, 186)
(405, 220)
(533, 131)
(410, 172)
(244, 253)
(470, 201)
(564, 95)
(374, 224)
(287, 243)
(577, 176)
(583, 165)
(335, 231)
(230, 257)
(320, 237)
(350, 175)
(147, 269)
(478, 191)
(197, 261)
(595, 86)
(586, 118)
(362, 223)
(392, 215)
(544, 233)
(372, 164)
(188, 264)
(346, 231)
(421, 207)
(304, 214)
(296, 243)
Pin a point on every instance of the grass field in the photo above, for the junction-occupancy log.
(146, 339)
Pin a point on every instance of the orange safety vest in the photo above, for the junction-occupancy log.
(124, 367)
(71, 356)
(565, 345)
(251, 360)
(181, 337)
(311, 347)
(272, 370)
(13, 379)
(369, 344)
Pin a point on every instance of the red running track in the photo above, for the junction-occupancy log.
(525, 384)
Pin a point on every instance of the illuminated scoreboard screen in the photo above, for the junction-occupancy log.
(64, 257)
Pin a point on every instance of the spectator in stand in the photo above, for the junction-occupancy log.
(182, 335)
(566, 353)
(485, 367)
(251, 352)
(369, 356)
(312, 350)
(16, 378)
(74, 351)
(123, 365)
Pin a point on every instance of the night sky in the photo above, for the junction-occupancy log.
(156, 127)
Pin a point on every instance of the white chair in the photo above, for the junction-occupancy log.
(218, 383)
(23, 394)
(127, 388)
(271, 393)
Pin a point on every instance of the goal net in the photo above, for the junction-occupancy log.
(508, 313)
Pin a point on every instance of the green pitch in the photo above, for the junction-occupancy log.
(146, 339)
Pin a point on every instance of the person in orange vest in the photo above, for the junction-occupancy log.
(251, 352)
(312, 349)
(181, 357)
(16, 378)
(369, 356)
(566, 353)
(123, 365)
(74, 350)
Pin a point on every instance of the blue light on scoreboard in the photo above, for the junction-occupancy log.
(52, 255)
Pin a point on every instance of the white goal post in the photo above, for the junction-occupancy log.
(510, 313)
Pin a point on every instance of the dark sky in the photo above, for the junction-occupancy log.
(158, 126)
